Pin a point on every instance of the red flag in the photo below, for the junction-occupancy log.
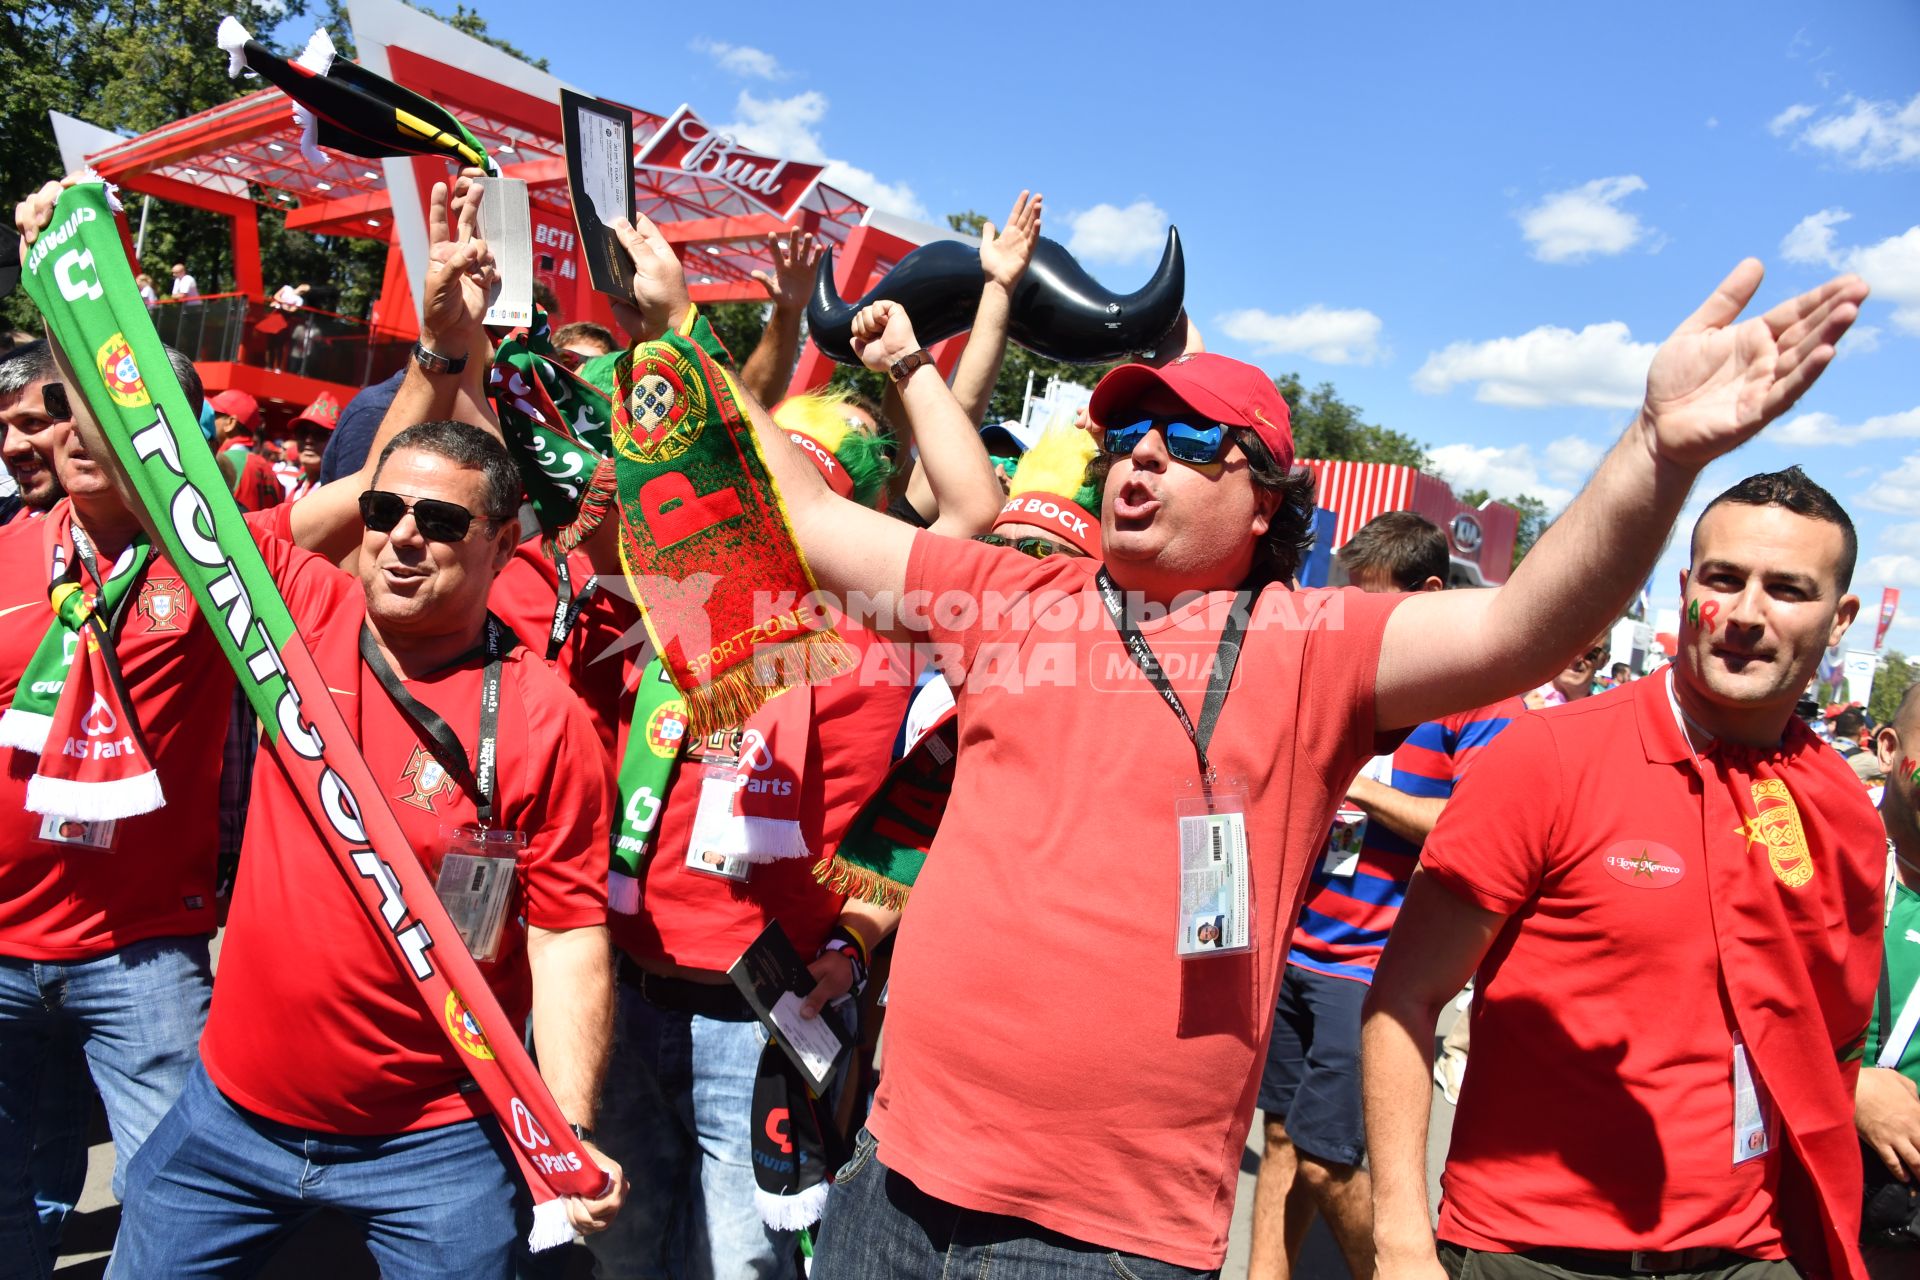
(1889, 601)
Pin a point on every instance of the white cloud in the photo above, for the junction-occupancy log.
(1897, 490)
(1823, 429)
(1783, 123)
(788, 127)
(1573, 225)
(1552, 475)
(1713, 122)
(1861, 339)
(1108, 233)
(1901, 537)
(741, 60)
(1860, 133)
(1891, 571)
(1891, 266)
(1319, 333)
(1811, 239)
(1600, 366)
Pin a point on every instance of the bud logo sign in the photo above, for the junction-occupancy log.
(688, 144)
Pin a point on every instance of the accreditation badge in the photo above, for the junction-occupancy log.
(78, 831)
(719, 842)
(475, 883)
(1216, 892)
(1752, 1109)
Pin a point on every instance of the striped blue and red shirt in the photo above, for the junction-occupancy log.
(1345, 917)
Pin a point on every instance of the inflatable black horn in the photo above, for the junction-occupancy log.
(1058, 310)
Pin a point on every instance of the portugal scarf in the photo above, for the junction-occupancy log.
(77, 272)
(72, 696)
(705, 542)
(551, 419)
(886, 844)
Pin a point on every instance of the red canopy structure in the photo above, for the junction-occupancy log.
(1479, 539)
(245, 155)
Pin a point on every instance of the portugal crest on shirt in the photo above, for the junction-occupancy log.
(427, 780)
(163, 603)
(1776, 825)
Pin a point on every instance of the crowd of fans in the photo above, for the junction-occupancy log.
(1669, 895)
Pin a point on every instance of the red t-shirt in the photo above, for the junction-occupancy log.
(63, 902)
(1048, 1056)
(311, 1025)
(703, 921)
(1599, 1109)
(598, 656)
(258, 488)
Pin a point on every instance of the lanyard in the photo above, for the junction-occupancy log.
(476, 779)
(83, 548)
(1225, 659)
(566, 607)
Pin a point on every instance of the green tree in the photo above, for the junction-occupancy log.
(1325, 426)
(1896, 675)
(1533, 518)
(470, 22)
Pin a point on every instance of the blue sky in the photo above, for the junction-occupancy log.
(1474, 219)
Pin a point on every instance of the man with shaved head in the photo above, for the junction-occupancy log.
(1886, 1103)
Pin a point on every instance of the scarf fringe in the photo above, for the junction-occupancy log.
(863, 883)
(25, 730)
(733, 697)
(104, 801)
(551, 1226)
(623, 893)
(772, 840)
(599, 497)
(795, 1212)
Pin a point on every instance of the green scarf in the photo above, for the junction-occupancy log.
(654, 739)
(30, 714)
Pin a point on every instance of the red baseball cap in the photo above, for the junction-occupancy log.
(323, 413)
(1226, 390)
(239, 406)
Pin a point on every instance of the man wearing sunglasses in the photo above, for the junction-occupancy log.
(1122, 1135)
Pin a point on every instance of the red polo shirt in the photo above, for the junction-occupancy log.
(1599, 1111)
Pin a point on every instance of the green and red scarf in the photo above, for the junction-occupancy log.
(886, 844)
(72, 699)
(554, 421)
(78, 274)
(704, 538)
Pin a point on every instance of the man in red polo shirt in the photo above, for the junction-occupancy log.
(237, 420)
(1062, 1087)
(1671, 894)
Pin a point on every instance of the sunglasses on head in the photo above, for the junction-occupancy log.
(1038, 548)
(1188, 440)
(437, 521)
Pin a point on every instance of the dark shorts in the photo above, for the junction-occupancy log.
(1312, 1080)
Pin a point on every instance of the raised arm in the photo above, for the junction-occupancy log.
(1712, 386)
(953, 463)
(1438, 941)
(460, 273)
(1004, 256)
(849, 547)
(768, 370)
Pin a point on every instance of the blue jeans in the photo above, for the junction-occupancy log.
(879, 1226)
(676, 1113)
(217, 1189)
(136, 1014)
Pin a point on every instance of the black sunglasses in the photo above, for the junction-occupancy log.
(1187, 441)
(1038, 548)
(53, 397)
(437, 521)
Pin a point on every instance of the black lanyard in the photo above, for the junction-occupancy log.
(1225, 659)
(566, 607)
(477, 778)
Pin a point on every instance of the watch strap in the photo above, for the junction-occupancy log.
(903, 367)
(433, 362)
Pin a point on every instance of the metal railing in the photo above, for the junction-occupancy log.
(308, 342)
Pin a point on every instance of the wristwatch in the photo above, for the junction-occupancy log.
(582, 1132)
(903, 367)
(434, 362)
